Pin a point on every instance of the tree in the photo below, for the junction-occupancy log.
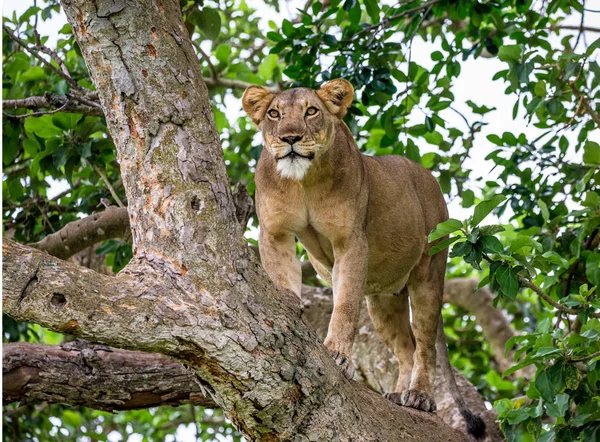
(184, 294)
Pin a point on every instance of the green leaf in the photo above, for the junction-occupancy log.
(221, 120)
(468, 198)
(66, 121)
(591, 48)
(555, 258)
(507, 279)
(373, 10)
(288, 28)
(491, 229)
(495, 381)
(445, 228)
(592, 267)
(509, 53)
(491, 244)
(34, 73)
(591, 153)
(543, 383)
(559, 407)
(354, 14)
(208, 22)
(484, 208)
(461, 249)
(443, 244)
(267, 66)
(524, 242)
(544, 210)
(274, 36)
(437, 56)
(42, 126)
(540, 89)
(223, 52)
(71, 418)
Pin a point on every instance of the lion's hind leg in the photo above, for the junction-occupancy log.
(391, 318)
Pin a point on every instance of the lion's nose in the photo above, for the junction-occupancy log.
(292, 139)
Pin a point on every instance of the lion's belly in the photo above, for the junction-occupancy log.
(390, 261)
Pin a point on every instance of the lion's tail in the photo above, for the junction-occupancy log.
(475, 424)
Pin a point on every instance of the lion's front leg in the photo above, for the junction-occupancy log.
(349, 276)
(278, 256)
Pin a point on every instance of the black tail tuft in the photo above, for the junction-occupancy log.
(475, 424)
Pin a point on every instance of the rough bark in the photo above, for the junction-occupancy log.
(194, 290)
(113, 222)
(96, 376)
(375, 365)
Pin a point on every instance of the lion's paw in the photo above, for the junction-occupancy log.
(412, 398)
(345, 364)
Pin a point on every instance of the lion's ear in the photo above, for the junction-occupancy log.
(337, 95)
(255, 101)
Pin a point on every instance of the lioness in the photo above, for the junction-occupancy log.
(364, 223)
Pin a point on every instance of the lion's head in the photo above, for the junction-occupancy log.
(298, 125)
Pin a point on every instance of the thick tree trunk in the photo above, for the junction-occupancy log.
(193, 291)
(33, 372)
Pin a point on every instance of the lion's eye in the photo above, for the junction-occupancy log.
(312, 111)
(273, 113)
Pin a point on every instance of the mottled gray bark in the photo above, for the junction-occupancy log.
(113, 222)
(132, 385)
(193, 291)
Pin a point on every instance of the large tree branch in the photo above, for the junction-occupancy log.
(96, 376)
(147, 310)
(113, 222)
(35, 374)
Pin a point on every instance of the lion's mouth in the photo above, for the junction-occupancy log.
(292, 154)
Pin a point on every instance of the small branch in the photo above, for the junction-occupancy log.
(110, 187)
(78, 235)
(235, 84)
(206, 58)
(37, 114)
(526, 282)
(574, 28)
(46, 50)
(49, 101)
(586, 103)
(585, 358)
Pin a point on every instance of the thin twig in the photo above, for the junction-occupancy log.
(586, 103)
(581, 26)
(37, 114)
(46, 50)
(206, 58)
(574, 28)
(585, 358)
(110, 187)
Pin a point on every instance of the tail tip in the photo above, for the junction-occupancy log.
(475, 425)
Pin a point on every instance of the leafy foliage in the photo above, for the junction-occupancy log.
(541, 258)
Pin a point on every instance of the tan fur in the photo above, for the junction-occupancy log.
(364, 222)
